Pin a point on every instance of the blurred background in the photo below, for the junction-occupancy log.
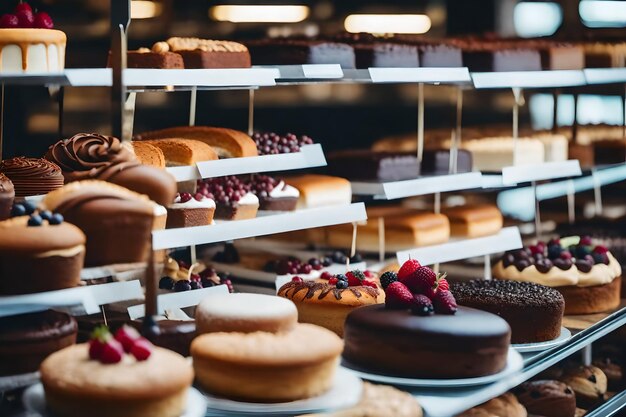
(338, 116)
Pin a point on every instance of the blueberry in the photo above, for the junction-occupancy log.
(35, 220)
(342, 284)
(18, 210)
(46, 214)
(326, 261)
(166, 283)
(29, 206)
(195, 285)
(206, 283)
(57, 218)
(341, 277)
(182, 285)
(583, 265)
(356, 258)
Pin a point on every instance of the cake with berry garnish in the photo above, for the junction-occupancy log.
(116, 375)
(328, 300)
(273, 194)
(420, 332)
(39, 251)
(27, 339)
(189, 211)
(587, 275)
(32, 176)
(91, 156)
(228, 143)
(232, 197)
(118, 222)
(7, 195)
(29, 44)
(533, 311)
(273, 143)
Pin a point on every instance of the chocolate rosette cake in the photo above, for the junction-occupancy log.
(7, 195)
(87, 156)
(32, 176)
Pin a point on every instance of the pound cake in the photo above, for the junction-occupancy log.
(533, 311)
(588, 275)
(474, 221)
(183, 151)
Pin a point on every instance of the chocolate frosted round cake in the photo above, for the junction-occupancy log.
(32, 176)
(470, 343)
(533, 311)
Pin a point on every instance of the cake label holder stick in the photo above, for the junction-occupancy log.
(597, 191)
(420, 122)
(517, 102)
(488, 267)
(1, 120)
(381, 239)
(456, 134)
(538, 230)
(571, 202)
(193, 97)
(251, 112)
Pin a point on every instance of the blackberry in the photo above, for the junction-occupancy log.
(182, 285)
(166, 283)
(387, 278)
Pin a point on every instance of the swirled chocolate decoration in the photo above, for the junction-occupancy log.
(89, 156)
(32, 176)
(292, 288)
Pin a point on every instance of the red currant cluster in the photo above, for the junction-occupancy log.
(224, 190)
(24, 18)
(272, 143)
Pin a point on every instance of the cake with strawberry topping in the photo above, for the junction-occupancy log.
(588, 275)
(120, 375)
(188, 211)
(420, 332)
(328, 300)
(29, 43)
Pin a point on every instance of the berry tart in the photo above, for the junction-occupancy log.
(273, 144)
(116, 375)
(7, 195)
(232, 196)
(27, 339)
(227, 143)
(188, 211)
(39, 251)
(421, 333)
(533, 311)
(587, 275)
(28, 42)
(273, 194)
(327, 301)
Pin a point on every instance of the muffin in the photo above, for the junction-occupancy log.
(589, 383)
(547, 398)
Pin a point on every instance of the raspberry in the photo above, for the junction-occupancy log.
(22, 7)
(141, 349)
(127, 336)
(442, 283)
(355, 277)
(535, 249)
(541, 245)
(554, 242)
(112, 352)
(600, 249)
(368, 274)
(420, 280)
(43, 21)
(586, 241)
(421, 305)
(297, 279)
(444, 303)
(25, 18)
(333, 280)
(369, 283)
(387, 278)
(565, 255)
(8, 21)
(407, 269)
(398, 296)
(326, 275)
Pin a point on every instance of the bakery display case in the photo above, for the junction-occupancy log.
(345, 245)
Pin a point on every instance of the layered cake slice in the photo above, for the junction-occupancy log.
(273, 194)
(208, 53)
(232, 196)
(189, 211)
(366, 165)
(371, 51)
(298, 51)
(148, 154)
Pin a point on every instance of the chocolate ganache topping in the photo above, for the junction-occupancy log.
(292, 288)
(32, 176)
(90, 155)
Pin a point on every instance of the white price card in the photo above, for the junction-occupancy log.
(420, 75)
(177, 300)
(419, 186)
(528, 79)
(316, 71)
(537, 172)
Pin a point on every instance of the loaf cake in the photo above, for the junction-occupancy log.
(321, 190)
(183, 151)
(148, 154)
(474, 221)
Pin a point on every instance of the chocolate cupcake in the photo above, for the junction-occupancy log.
(87, 156)
(589, 383)
(32, 176)
(547, 398)
(27, 339)
(7, 195)
(614, 374)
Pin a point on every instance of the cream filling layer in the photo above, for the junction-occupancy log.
(65, 253)
(600, 274)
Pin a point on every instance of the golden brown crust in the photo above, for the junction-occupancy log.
(183, 151)
(226, 142)
(312, 183)
(17, 237)
(472, 213)
(70, 372)
(148, 154)
(305, 345)
(319, 292)
(26, 35)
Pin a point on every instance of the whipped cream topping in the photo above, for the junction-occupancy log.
(600, 274)
(193, 203)
(283, 190)
(249, 199)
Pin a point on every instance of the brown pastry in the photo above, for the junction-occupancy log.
(589, 383)
(32, 176)
(118, 222)
(87, 156)
(614, 374)
(158, 57)
(227, 143)
(206, 53)
(321, 190)
(183, 151)
(44, 257)
(7, 195)
(474, 221)
(547, 398)
(506, 405)
(148, 154)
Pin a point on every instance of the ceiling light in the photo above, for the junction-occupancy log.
(602, 13)
(144, 9)
(533, 19)
(261, 14)
(387, 23)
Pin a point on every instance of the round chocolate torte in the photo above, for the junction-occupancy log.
(533, 311)
(470, 343)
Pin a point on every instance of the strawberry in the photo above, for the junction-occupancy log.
(95, 349)
(8, 21)
(332, 280)
(398, 296)
(44, 21)
(421, 305)
(407, 269)
(420, 280)
(112, 352)
(442, 283)
(127, 336)
(368, 274)
(444, 303)
(141, 349)
(355, 277)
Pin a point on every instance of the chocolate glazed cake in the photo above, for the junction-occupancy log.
(469, 344)
(374, 166)
(533, 311)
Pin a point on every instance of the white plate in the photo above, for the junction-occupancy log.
(345, 392)
(34, 400)
(541, 346)
(11, 382)
(514, 363)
